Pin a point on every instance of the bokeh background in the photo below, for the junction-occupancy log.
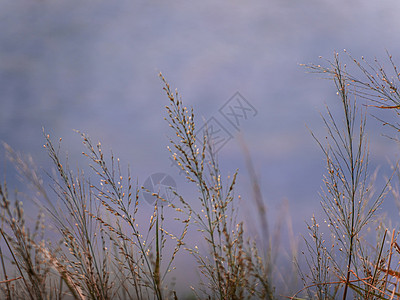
(93, 66)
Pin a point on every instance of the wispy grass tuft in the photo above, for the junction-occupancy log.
(349, 204)
(89, 240)
(233, 268)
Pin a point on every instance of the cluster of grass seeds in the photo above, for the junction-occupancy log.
(233, 267)
(137, 252)
(350, 206)
(380, 87)
(31, 280)
(105, 254)
(35, 274)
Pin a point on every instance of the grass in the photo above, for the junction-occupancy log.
(102, 251)
(348, 201)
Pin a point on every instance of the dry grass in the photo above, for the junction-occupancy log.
(102, 251)
(233, 267)
(349, 261)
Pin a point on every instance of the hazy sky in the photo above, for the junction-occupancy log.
(93, 67)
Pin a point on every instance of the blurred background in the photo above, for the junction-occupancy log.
(93, 66)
